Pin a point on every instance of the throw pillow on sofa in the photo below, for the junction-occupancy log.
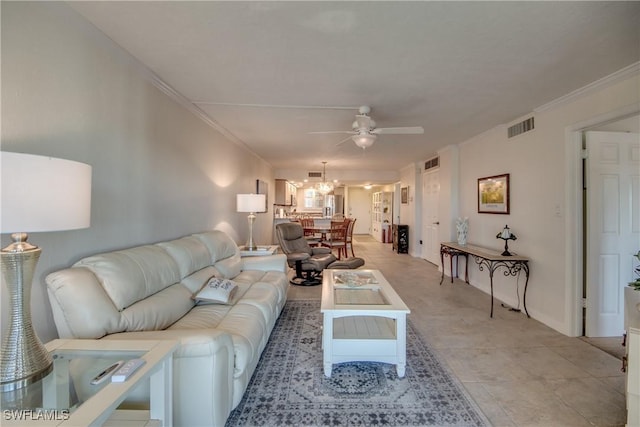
(216, 291)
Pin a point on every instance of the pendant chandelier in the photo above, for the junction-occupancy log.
(324, 187)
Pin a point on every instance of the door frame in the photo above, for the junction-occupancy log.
(574, 218)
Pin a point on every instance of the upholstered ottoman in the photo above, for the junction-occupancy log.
(346, 264)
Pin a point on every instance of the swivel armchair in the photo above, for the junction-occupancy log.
(308, 262)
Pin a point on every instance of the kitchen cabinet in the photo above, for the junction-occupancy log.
(285, 193)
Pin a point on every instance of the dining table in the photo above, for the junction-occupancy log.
(316, 229)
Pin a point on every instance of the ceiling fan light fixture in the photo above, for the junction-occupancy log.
(364, 140)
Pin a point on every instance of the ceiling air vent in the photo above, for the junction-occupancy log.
(520, 128)
(315, 174)
(432, 163)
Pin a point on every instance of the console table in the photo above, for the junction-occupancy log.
(489, 259)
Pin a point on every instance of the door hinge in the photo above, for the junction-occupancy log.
(584, 303)
(585, 153)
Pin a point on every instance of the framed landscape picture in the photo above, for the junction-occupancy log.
(493, 194)
(404, 195)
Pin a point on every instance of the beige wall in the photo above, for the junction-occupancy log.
(159, 172)
(543, 166)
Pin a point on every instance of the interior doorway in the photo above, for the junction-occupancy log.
(359, 207)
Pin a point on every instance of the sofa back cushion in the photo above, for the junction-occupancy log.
(189, 253)
(229, 267)
(82, 309)
(130, 275)
(143, 288)
(219, 243)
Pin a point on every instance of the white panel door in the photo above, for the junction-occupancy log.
(360, 208)
(430, 221)
(613, 227)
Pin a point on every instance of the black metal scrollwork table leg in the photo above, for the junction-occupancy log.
(512, 268)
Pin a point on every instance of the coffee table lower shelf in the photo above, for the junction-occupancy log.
(365, 339)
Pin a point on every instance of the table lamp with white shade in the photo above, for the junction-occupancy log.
(251, 203)
(37, 194)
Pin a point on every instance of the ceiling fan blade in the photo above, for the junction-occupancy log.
(410, 130)
(344, 140)
(350, 132)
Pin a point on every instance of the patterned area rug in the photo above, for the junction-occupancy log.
(289, 387)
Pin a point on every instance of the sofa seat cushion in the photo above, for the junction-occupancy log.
(206, 316)
(265, 297)
(244, 322)
(281, 284)
(247, 327)
(275, 279)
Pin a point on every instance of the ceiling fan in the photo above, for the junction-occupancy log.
(365, 132)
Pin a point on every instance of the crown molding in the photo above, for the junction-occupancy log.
(190, 106)
(599, 84)
(182, 100)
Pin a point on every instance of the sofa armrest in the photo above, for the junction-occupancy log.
(276, 262)
(193, 342)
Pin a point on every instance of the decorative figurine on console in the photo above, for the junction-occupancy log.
(462, 227)
(506, 235)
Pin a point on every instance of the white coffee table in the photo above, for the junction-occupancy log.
(364, 320)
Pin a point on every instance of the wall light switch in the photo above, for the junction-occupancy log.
(558, 211)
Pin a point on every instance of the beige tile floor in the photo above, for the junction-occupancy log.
(519, 371)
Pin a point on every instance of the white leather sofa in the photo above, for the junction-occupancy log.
(147, 292)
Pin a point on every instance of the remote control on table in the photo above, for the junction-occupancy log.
(98, 379)
(127, 370)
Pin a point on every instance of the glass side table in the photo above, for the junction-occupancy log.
(66, 396)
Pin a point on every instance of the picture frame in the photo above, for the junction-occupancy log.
(493, 194)
(263, 188)
(404, 195)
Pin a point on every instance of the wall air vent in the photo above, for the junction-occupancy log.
(315, 174)
(432, 163)
(520, 128)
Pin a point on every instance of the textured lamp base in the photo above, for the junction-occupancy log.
(251, 245)
(23, 358)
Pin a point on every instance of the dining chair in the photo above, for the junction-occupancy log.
(337, 238)
(309, 233)
(349, 236)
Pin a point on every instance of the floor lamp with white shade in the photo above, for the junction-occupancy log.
(37, 194)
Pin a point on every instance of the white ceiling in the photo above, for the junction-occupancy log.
(270, 72)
